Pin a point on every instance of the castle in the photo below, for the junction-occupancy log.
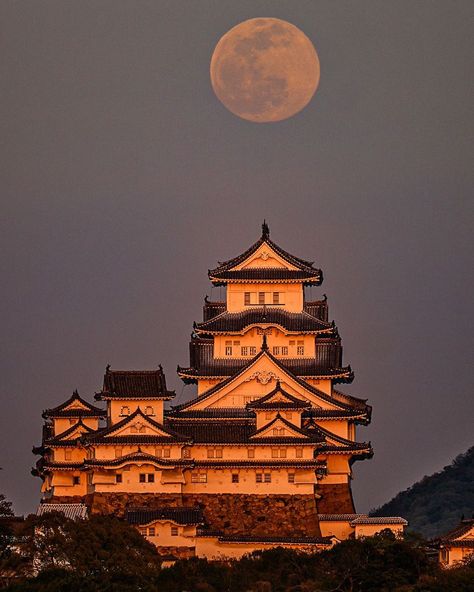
(262, 456)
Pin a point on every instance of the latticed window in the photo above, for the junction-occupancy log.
(291, 477)
(174, 531)
(300, 350)
(151, 531)
(252, 351)
(244, 350)
(228, 350)
(247, 298)
(284, 350)
(267, 477)
(261, 297)
(276, 297)
(276, 351)
(274, 452)
(259, 477)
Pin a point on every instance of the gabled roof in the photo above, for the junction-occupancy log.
(341, 444)
(307, 435)
(62, 438)
(63, 410)
(278, 398)
(182, 515)
(239, 322)
(137, 457)
(304, 272)
(460, 530)
(107, 434)
(379, 520)
(264, 352)
(134, 384)
(71, 511)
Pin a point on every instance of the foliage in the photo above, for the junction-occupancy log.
(435, 504)
(106, 555)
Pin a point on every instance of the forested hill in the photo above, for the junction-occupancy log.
(435, 504)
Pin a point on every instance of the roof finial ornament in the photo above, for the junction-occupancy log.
(75, 392)
(264, 343)
(107, 368)
(265, 230)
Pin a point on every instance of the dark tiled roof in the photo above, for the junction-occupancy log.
(266, 274)
(466, 543)
(290, 402)
(183, 515)
(277, 539)
(318, 413)
(62, 411)
(106, 435)
(134, 384)
(307, 435)
(63, 466)
(70, 511)
(236, 432)
(237, 322)
(339, 517)
(265, 464)
(302, 266)
(217, 413)
(380, 520)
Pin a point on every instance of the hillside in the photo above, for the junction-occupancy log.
(435, 504)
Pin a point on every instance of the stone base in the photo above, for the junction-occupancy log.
(233, 514)
(335, 499)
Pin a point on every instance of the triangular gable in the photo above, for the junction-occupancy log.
(137, 424)
(74, 403)
(279, 396)
(264, 256)
(264, 370)
(72, 433)
(279, 428)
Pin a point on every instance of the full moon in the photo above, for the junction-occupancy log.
(264, 70)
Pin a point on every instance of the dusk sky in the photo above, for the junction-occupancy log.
(123, 179)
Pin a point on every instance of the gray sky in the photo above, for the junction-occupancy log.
(123, 179)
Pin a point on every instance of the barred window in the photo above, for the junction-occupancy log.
(174, 531)
(276, 351)
(261, 297)
(235, 478)
(247, 298)
(300, 350)
(259, 477)
(291, 477)
(284, 350)
(228, 350)
(244, 351)
(267, 477)
(274, 452)
(151, 531)
(253, 351)
(276, 297)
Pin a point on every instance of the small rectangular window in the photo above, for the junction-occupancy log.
(142, 478)
(251, 453)
(210, 453)
(253, 351)
(236, 342)
(118, 451)
(291, 477)
(194, 478)
(284, 350)
(292, 342)
(202, 477)
(258, 477)
(174, 531)
(300, 342)
(228, 350)
(274, 452)
(67, 454)
(247, 298)
(235, 478)
(276, 297)
(228, 342)
(282, 452)
(166, 452)
(142, 531)
(118, 478)
(261, 297)
(276, 351)
(218, 452)
(151, 477)
(244, 351)
(300, 350)
(267, 477)
(76, 480)
(299, 453)
(158, 452)
(151, 531)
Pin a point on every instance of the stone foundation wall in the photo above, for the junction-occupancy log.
(335, 499)
(287, 515)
